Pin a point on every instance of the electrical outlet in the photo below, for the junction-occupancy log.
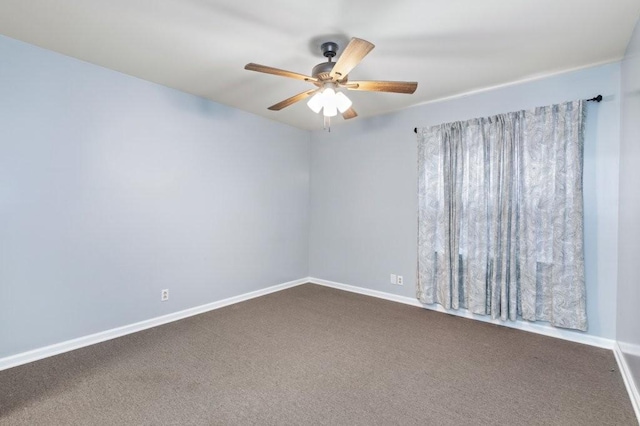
(399, 280)
(164, 295)
(393, 279)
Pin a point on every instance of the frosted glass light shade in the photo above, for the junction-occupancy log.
(329, 97)
(329, 101)
(315, 103)
(342, 102)
(330, 111)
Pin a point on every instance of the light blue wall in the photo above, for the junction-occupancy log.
(628, 326)
(364, 185)
(113, 188)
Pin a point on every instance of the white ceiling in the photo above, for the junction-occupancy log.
(448, 46)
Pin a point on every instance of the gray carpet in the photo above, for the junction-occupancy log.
(314, 355)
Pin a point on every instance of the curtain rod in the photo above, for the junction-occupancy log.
(594, 99)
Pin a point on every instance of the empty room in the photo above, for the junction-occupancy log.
(339, 213)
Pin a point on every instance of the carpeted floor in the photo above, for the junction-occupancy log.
(314, 355)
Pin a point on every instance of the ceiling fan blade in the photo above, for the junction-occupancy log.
(383, 86)
(352, 55)
(350, 113)
(292, 100)
(275, 71)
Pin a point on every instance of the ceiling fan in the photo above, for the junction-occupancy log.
(329, 77)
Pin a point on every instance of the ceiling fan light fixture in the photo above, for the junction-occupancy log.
(329, 101)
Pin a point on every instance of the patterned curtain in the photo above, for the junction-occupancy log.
(501, 216)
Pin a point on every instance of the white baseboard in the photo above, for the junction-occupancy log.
(629, 382)
(70, 345)
(58, 348)
(574, 336)
(628, 348)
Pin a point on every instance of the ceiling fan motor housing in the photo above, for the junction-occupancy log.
(322, 70)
